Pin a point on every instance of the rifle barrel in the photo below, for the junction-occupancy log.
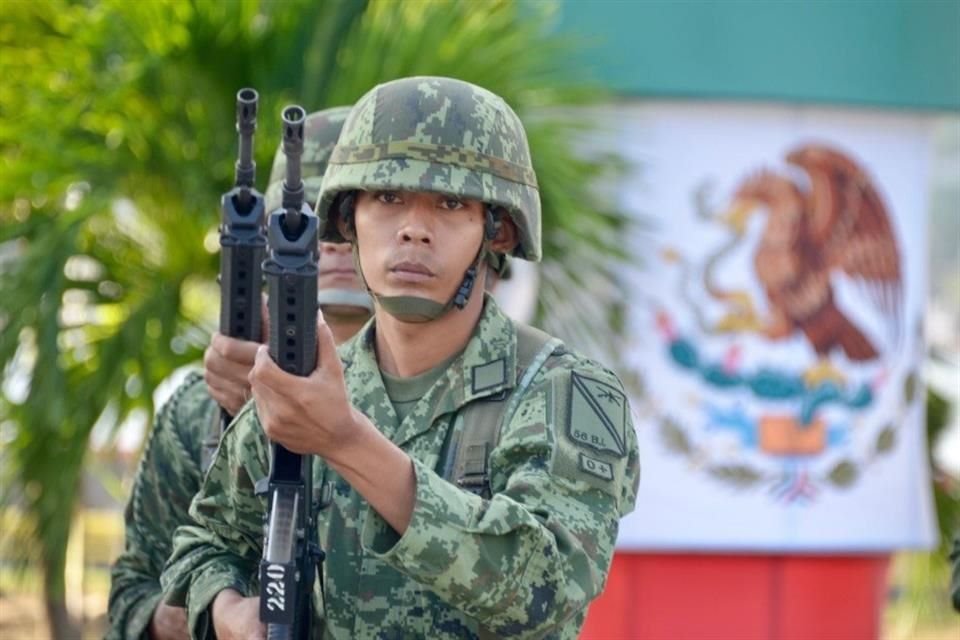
(294, 118)
(246, 168)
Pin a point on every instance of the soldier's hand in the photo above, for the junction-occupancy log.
(306, 414)
(236, 617)
(313, 415)
(168, 623)
(226, 365)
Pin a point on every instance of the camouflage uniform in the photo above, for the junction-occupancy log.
(170, 472)
(524, 563)
(168, 477)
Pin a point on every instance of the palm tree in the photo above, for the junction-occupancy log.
(116, 139)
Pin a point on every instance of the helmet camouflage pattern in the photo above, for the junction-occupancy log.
(441, 135)
(320, 133)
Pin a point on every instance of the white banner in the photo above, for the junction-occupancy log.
(777, 327)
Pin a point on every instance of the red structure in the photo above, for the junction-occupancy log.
(740, 597)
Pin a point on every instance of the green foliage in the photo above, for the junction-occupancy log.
(946, 489)
(740, 476)
(886, 439)
(922, 578)
(116, 140)
(675, 438)
(844, 474)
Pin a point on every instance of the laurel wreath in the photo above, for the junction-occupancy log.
(844, 474)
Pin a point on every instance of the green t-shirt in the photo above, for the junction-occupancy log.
(404, 393)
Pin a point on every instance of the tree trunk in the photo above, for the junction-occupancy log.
(62, 626)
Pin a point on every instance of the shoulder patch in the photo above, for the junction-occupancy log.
(486, 376)
(599, 468)
(598, 415)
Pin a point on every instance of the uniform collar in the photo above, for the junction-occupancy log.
(486, 367)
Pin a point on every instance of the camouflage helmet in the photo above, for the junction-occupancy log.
(436, 134)
(320, 133)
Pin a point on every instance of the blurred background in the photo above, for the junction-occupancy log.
(645, 118)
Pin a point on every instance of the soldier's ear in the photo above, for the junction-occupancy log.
(507, 236)
(346, 229)
(345, 208)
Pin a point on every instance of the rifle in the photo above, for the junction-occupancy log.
(242, 244)
(291, 557)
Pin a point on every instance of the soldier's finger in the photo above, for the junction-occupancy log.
(292, 388)
(259, 395)
(231, 401)
(216, 385)
(218, 367)
(327, 357)
(228, 398)
(270, 410)
(234, 349)
(266, 373)
(264, 319)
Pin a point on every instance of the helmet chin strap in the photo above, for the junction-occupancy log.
(418, 309)
(360, 300)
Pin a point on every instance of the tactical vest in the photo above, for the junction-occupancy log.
(467, 462)
(468, 458)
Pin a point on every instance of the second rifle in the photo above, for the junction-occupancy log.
(242, 245)
(291, 555)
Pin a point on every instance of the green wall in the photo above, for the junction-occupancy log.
(893, 53)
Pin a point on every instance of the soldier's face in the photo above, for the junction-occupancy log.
(336, 267)
(417, 243)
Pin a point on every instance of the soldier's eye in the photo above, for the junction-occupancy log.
(452, 204)
(388, 197)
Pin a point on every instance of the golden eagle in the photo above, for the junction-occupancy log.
(838, 223)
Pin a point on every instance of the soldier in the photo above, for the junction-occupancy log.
(171, 470)
(478, 468)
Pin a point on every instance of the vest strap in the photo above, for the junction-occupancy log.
(483, 419)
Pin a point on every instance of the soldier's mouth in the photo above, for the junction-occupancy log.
(410, 272)
(411, 267)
